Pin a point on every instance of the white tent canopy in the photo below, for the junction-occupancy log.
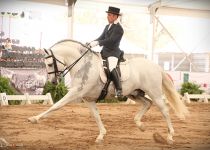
(88, 20)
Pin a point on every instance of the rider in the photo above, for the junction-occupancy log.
(110, 40)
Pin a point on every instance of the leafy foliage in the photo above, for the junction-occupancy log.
(57, 91)
(190, 88)
(5, 86)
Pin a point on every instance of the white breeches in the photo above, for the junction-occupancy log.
(112, 62)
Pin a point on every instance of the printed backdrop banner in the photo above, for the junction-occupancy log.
(29, 81)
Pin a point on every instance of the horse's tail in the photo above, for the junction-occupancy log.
(173, 97)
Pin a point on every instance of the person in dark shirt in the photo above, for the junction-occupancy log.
(110, 40)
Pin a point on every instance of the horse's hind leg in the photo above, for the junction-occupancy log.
(146, 106)
(95, 113)
(164, 110)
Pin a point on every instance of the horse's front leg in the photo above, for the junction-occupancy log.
(70, 96)
(95, 113)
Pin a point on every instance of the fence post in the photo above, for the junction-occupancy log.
(205, 98)
(50, 101)
(3, 98)
(27, 98)
(186, 96)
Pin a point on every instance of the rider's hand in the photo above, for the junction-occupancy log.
(92, 44)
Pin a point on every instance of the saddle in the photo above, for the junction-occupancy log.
(123, 69)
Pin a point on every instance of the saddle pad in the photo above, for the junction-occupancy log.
(124, 68)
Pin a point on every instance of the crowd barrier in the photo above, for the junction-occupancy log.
(26, 98)
(200, 97)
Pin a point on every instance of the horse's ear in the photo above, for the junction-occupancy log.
(46, 51)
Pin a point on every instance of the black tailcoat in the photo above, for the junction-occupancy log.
(110, 40)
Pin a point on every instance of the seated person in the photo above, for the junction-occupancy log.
(8, 44)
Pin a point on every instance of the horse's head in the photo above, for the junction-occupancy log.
(54, 65)
(61, 58)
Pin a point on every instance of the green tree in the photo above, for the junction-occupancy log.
(57, 91)
(190, 88)
(5, 86)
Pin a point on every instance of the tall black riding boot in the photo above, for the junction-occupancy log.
(116, 80)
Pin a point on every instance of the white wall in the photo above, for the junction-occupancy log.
(194, 77)
(50, 23)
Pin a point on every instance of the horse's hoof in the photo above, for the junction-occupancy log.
(159, 139)
(3, 143)
(142, 127)
(99, 141)
(170, 141)
(33, 120)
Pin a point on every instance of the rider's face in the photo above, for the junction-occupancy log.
(111, 17)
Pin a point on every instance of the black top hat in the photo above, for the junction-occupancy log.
(113, 10)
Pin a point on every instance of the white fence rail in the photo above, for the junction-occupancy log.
(26, 98)
(201, 97)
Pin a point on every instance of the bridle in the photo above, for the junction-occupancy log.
(61, 73)
(56, 72)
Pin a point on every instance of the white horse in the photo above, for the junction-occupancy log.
(86, 84)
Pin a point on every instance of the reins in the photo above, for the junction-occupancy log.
(75, 62)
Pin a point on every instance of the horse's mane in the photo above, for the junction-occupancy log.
(68, 40)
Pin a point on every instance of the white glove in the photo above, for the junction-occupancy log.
(93, 44)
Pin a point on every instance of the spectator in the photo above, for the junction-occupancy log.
(8, 44)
